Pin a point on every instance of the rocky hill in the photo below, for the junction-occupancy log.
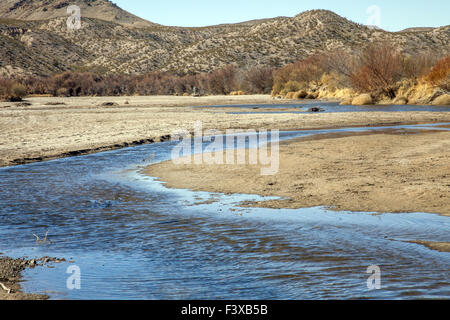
(49, 9)
(37, 41)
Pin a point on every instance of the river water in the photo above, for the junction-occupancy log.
(133, 238)
(326, 106)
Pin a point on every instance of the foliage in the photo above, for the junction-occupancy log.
(440, 74)
(10, 90)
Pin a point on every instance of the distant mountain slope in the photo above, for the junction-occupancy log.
(49, 9)
(47, 46)
(418, 29)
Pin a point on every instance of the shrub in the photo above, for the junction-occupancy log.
(440, 74)
(333, 81)
(222, 81)
(416, 66)
(302, 94)
(62, 92)
(258, 80)
(296, 76)
(443, 100)
(400, 100)
(11, 90)
(18, 92)
(346, 102)
(380, 68)
(363, 99)
(292, 86)
(340, 62)
(290, 95)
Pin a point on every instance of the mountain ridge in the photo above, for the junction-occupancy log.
(35, 10)
(112, 44)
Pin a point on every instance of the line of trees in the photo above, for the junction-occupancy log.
(375, 69)
(222, 81)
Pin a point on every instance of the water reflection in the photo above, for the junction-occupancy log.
(327, 107)
(135, 239)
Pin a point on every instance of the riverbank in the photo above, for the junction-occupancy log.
(408, 93)
(387, 171)
(47, 128)
(10, 277)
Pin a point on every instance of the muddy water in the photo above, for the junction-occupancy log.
(135, 239)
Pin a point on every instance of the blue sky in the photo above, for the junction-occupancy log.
(395, 14)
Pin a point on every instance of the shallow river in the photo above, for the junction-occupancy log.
(327, 107)
(132, 238)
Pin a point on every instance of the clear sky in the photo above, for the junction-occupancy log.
(395, 15)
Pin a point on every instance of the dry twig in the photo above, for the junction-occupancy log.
(5, 288)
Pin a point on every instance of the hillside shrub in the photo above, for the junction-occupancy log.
(380, 68)
(10, 90)
(440, 74)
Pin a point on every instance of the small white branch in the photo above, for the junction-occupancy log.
(5, 288)
(37, 238)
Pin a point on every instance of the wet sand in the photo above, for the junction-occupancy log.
(10, 277)
(52, 128)
(438, 246)
(390, 171)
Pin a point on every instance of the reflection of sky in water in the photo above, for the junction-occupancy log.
(328, 108)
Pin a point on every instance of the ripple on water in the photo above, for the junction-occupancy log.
(135, 239)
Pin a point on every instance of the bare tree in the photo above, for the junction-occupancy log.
(380, 69)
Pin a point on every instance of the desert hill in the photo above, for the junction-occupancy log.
(49, 9)
(34, 41)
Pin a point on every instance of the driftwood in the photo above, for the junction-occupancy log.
(5, 288)
(45, 240)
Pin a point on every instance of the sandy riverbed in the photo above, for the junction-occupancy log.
(390, 171)
(47, 130)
